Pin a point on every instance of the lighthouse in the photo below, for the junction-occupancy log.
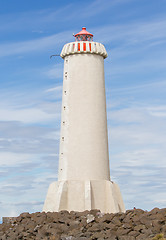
(84, 173)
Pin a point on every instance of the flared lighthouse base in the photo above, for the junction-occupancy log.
(79, 196)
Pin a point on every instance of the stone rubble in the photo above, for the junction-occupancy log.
(135, 224)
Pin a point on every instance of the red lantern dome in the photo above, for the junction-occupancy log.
(83, 35)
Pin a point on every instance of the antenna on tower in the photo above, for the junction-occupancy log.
(56, 55)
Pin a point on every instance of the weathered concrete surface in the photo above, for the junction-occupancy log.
(95, 194)
(84, 170)
(132, 225)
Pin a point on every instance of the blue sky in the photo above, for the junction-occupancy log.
(133, 32)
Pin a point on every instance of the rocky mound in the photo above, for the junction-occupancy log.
(134, 224)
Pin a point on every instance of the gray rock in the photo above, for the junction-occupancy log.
(133, 225)
(90, 218)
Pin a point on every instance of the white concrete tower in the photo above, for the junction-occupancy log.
(84, 173)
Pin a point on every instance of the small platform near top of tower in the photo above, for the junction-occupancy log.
(83, 35)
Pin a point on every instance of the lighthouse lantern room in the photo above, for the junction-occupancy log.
(83, 35)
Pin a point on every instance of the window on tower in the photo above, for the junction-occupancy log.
(83, 37)
(65, 75)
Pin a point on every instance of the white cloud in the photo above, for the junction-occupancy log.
(158, 111)
(138, 157)
(99, 6)
(34, 20)
(43, 106)
(55, 89)
(13, 159)
(163, 201)
(137, 127)
(137, 151)
(33, 45)
(133, 33)
(151, 86)
(31, 115)
(128, 115)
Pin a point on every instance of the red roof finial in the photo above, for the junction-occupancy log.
(83, 35)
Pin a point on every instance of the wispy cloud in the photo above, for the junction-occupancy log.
(11, 159)
(139, 87)
(34, 20)
(158, 111)
(34, 45)
(137, 145)
(99, 6)
(54, 89)
(32, 115)
(131, 34)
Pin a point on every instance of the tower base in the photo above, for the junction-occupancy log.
(84, 195)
